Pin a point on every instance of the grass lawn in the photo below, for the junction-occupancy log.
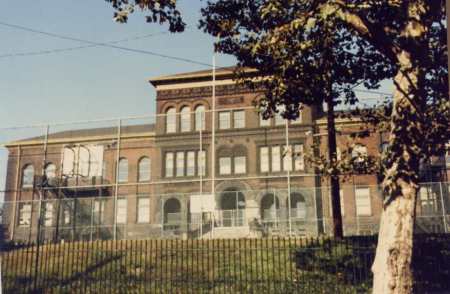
(191, 266)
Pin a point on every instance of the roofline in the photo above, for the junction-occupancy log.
(222, 73)
(323, 121)
(77, 139)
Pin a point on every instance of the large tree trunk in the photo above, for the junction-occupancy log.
(392, 266)
(338, 231)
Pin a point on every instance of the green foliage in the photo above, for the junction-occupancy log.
(160, 11)
(312, 50)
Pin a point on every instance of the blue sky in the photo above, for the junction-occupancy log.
(89, 83)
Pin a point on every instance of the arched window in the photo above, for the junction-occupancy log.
(28, 176)
(270, 206)
(171, 120)
(144, 169)
(185, 119)
(279, 119)
(123, 170)
(50, 170)
(359, 152)
(298, 206)
(172, 214)
(200, 118)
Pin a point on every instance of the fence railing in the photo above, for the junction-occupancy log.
(258, 213)
(268, 265)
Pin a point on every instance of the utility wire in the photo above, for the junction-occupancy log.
(58, 36)
(57, 50)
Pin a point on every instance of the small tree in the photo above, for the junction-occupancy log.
(400, 39)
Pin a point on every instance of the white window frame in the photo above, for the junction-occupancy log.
(185, 119)
(99, 211)
(264, 159)
(225, 165)
(190, 164)
(240, 164)
(200, 118)
(279, 119)
(239, 119)
(171, 120)
(28, 176)
(144, 169)
(276, 158)
(25, 212)
(264, 122)
(359, 151)
(298, 120)
(143, 209)
(122, 176)
(48, 215)
(301, 210)
(366, 209)
(122, 212)
(201, 162)
(179, 170)
(50, 170)
(169, 164)
(224, 120)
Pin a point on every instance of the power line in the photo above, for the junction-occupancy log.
(57, 50)
(58, 36)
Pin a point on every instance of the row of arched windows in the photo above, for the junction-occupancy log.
(144, 170)
(185, 119)
(28, 174)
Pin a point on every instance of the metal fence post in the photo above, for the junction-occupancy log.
(119, 125)
(443, 208)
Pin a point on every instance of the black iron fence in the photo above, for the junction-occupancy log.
(276, 265)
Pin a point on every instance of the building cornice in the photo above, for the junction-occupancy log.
(37, 142)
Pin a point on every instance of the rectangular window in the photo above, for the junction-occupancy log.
(225, 165)
(99, 211)
(66, 216)
(169, 164)
(276, 159)
(279, 120)
(224, 120)
(25, 214)
(240, 165)
(301, 209)
(428, 202)
(264, 122)
(123, 170)
(264, 159)
(143, 210)
(287, 158)
(180, 164)
(363, 207)
(121, 211)
(201, 164)
(190, 171)
(299, 162)
(298, 120)
(239, 119)
(48, 217)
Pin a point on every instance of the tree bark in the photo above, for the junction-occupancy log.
(338, 231)
(392, 265)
